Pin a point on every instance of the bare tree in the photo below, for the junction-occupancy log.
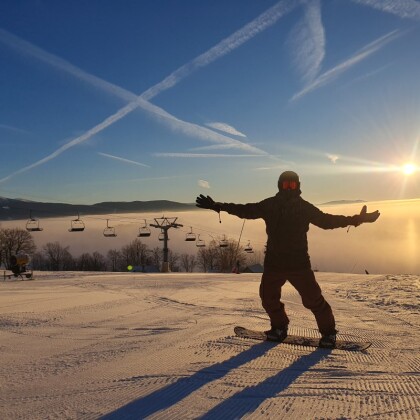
(39, 261)
(114, 259)
(98, 262)
(157, 256)
(207, 257)
(14, 241)
(84, 262)
(173, 259)
(257, 257)
(188, 262)
(58, 257)
(135, 253)
(230, 256)
(221, 259)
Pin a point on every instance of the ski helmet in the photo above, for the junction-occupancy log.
(289, 180)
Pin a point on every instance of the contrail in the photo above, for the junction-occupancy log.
(249, 31)
(133, 162)
(226, 128)
(407, 9)
(164, 117)
(262, 22)
(331, 74)
(205, 155)
(307, 41)
(110, 120)
(26, 48)
(219, 147)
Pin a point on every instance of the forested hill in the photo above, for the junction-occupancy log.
(14, 209)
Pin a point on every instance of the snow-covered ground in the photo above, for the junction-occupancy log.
(131, 346)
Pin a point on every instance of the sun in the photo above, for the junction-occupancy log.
(409, 169)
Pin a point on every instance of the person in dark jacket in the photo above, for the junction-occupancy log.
(287, 217)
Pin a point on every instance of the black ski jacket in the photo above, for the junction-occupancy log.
(287, 220)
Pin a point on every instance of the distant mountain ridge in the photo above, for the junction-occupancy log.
(332, 203)
(15, 209)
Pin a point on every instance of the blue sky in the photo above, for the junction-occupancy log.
(145, 100)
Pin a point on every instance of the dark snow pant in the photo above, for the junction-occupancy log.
(305, 283)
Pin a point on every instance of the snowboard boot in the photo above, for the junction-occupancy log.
(276, 334)
(328, 341)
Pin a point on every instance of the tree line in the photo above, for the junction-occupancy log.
(53, 256)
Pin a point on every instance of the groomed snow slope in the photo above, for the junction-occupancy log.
(130, 346)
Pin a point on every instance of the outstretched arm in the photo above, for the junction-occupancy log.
(330, 221)
(244, 211)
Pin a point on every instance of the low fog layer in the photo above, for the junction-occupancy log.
(391, 245)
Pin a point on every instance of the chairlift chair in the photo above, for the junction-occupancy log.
(200, 243)
(190, 237)
(77, 225)
(248, 248)
(109, 231)
(144, 231)
(161, 236)
(32, 225)
(223, 243)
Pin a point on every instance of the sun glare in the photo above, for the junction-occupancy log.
(409, 169)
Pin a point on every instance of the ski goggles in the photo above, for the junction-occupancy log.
(289, 185)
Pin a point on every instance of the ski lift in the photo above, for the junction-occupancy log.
(200, 243)
(223, 243)
(32, 225)
(190, 237)
(109, 231)
(77, 225)
(248, 248)
(144, 231)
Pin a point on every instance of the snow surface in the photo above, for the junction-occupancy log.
(131, 346)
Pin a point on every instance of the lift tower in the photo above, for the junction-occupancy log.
(164, 224)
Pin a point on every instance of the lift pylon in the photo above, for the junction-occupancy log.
(164, 224)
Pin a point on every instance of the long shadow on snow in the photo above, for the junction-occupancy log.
(172, 394)
(249, 399)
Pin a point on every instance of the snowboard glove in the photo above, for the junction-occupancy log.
(365, 217)
(207, 203)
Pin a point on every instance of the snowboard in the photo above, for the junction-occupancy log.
(303, 341)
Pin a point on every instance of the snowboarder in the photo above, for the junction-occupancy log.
(287, 217)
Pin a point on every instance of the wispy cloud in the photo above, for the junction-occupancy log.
(269, 168)
(132, 162)
(226, 128)
(322, 154)
(408, 9)
(333, 73)
(307, 41)
(262, 22)
(203, 184)
(332, 158)
(195, 130)
(14, 129)
(205, 155)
